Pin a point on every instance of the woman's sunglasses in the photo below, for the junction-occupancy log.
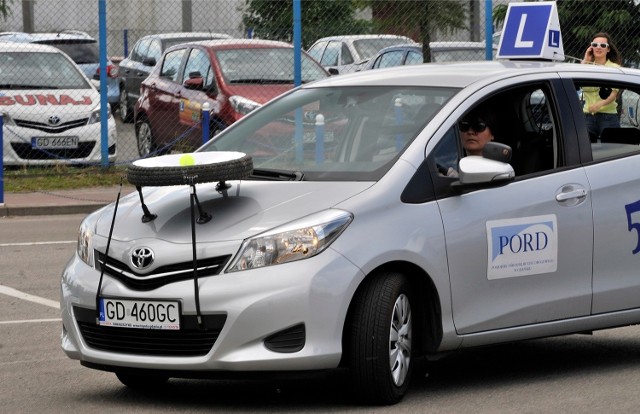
(600, 45)
(477, 126)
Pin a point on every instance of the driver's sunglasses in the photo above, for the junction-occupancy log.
(600, 45)
(477, 126)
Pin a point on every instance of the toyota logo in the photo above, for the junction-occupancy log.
(54, 120)
(142, 258)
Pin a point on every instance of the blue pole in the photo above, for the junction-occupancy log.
(1, 159)
(399, 121)
(206, 119)
(126, 42)
(297, 43)
(104, 103)
(488, 22)
(319, 139)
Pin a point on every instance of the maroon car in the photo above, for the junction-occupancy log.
(234, 76)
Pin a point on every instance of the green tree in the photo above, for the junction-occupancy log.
(5, 11)
(419, 19)
(273, 19)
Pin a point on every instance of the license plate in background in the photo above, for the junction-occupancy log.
(142, 314)
(54, 142)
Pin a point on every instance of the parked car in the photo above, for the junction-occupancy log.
(82, 48)
(350, 249)
(51, 110)
(143, 57)
(344, 54)
(399, 55)
(233, 76)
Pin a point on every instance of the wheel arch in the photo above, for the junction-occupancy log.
(426, 306)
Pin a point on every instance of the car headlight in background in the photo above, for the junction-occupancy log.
(243, 105)
(297, 240)
(85, 243)
(95, 116)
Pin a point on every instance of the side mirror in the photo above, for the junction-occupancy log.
(149, 62)
(333, 71)
(194, 83)
(475, 170)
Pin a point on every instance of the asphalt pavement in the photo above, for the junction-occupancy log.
(75, 201)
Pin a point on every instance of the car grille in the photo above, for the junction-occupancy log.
(26, 152)
(190, 341)
(161, 276)
(51, 129)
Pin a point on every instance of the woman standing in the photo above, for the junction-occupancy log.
(600, 106)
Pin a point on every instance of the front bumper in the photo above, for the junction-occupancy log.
(245, 310)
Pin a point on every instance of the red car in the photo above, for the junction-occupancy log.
(234, 76)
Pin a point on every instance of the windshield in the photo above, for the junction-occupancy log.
(368, 48)
(80, 51)
(338, 134)
(36, 70)
(272, 65)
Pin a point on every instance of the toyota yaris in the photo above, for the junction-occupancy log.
(322, 231)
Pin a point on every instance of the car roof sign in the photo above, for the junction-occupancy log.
(531, 31)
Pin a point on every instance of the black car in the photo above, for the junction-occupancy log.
(143, 57)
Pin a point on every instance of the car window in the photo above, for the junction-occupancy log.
(80, 51)
(171, 64)
(39, 71)
(414, 58)
(140, 50)
(265, 65)
(346, 58)
(335, 133)
(393, 58)
(331, 53)
(368, 48)
(155, 50)
(198, 64)
(317, 50)
(614, 129)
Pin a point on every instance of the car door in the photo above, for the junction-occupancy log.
(615, 193)
(164, 97)
(520, 254)
(133, 70)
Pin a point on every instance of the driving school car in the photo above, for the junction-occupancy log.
(51, 112)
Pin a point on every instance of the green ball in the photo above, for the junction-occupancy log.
(187, 159)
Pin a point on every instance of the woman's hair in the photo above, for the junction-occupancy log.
(613, 54)
(487, 115)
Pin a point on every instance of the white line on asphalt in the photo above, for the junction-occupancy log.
(31, 321)
(38, 243)
(21, 295)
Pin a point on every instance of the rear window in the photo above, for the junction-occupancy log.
(81, 51)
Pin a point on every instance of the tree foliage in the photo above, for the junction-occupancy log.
(273, 19)
(5, 10)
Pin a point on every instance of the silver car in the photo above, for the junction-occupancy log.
(323, 232)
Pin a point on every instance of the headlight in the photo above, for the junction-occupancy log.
(243, 105)
(85, 243)
(297, 240)
(95, 116)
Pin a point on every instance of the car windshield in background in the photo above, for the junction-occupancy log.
(39, 71)
(81, 51)
(265, 66)
(458, 55)
(334, 133)
(367, 48)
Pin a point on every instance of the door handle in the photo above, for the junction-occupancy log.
(574, 193)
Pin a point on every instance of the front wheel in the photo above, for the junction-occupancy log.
(381, 339)
(144, 136)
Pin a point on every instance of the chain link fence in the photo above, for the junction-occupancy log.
(156, 103)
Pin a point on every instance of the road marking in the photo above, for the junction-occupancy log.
(31, 298)
(38, 243)
(31, 321)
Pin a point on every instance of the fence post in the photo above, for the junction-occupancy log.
(1, 159)
(125, 36)
(104, 103)
(319, 139)
(488, 16)
(297, 43)
(206, 121)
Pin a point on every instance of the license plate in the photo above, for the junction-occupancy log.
(54, 142)
(142, 314)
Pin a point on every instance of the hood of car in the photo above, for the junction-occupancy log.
(249, 208)
(38, 103)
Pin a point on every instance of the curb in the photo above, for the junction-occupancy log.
(6, 211)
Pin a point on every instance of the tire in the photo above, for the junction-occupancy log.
(144, 138)
(142, 382)
(126, 112)
(380, 355)
(235, 169)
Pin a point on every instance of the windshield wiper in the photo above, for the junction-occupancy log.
(277, 175)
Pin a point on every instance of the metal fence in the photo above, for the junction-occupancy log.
(50, 120)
